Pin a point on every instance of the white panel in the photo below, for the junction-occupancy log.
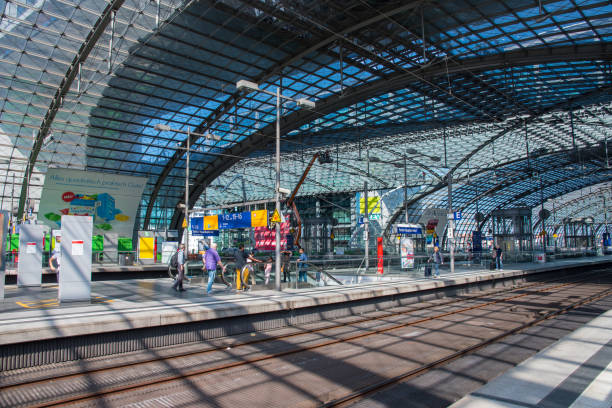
(29, 269)
(75, 270)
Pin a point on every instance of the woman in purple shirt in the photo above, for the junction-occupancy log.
(211, 260)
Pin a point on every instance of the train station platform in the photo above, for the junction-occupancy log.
(574, 372)
(152, 314)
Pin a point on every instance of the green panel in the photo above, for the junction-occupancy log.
(47, 241)
(124, 245)
(14, 243)
(97, 243)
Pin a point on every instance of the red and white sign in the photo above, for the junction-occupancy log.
(30, 247)
(77, 247)
(265, 238)
(68, 196)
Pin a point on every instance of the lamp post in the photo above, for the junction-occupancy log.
(451, 227)
(161, 127)
(244, 85)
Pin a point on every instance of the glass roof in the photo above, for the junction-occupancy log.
(591, 202)
(456, 86)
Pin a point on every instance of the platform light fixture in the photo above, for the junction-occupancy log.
(166, 128)
(161, 127)
(306, 103)
(245, 85)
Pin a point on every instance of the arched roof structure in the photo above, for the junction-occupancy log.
(476, 88)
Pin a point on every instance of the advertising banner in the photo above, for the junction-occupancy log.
(434, 220)
(265, 238)
(407, 252)
(110, 199)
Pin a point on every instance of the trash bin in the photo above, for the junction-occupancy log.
(126, 259)
(540, 257)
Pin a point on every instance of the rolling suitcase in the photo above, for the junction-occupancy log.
(492, 265)
(428, 270)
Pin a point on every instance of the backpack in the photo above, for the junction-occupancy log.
(174, 260)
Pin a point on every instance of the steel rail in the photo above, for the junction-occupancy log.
(88, 396)
(286, 336)
(359, 394)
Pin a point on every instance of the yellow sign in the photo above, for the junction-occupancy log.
(184, 222)
(211, 222)
(146, 247)
(259, 218)
(275, 217)
(332, 236)
(373, 205)
(554, 235)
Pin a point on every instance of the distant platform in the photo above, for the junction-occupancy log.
(106, 268)
(34, 313)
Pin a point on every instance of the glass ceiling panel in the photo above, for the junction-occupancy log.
(182, 72)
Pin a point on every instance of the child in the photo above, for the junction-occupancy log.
(268, 269)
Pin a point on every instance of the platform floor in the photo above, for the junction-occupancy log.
(574, 372)
(34, 313)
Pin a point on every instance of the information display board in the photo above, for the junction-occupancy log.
(29, 269)
(235, 220)
(75, 266)
(4, 218)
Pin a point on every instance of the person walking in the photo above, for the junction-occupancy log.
(56, 257)
(286, 261)
(302, 266)
(178, 283)
(498, 257)
(470, 255)
(268, 269)
(242, 272)
(437, 260)
(249, 271)
(211, 260)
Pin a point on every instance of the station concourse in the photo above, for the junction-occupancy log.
(397, 203)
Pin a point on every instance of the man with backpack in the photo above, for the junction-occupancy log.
(180, 266)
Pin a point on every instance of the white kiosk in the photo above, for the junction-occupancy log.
(411, 240)
(29, 269)
(4, 217)
(75, 266)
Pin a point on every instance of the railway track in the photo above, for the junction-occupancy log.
(110, 382)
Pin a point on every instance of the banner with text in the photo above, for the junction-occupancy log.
(112, 200)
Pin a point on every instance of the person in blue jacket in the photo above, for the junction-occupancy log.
(302, 266)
